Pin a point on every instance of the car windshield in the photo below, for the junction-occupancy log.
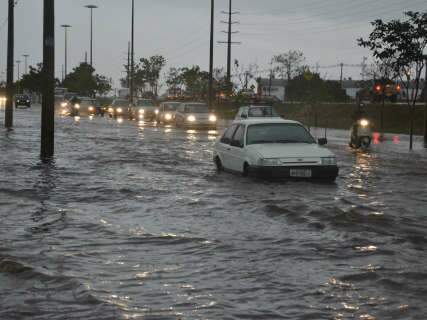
(262, 112)
(120, 103)
(145, 103)
(90, 102)
(278, 133)
(171, 106)
(196, 108)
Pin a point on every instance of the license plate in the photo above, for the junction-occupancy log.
(300, 173)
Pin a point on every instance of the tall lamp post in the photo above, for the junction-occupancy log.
(48, 101)
(66, 26)
(8, 123)
(91, 7)
(211, 53)
(132, 56)
(26, 62)
(425, 101)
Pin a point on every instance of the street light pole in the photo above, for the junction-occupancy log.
(425, 101)
(26, 62)
(91, 7)
(18, 63)
(10, 57)
(48, 101)
(132, 58)
(211, 53)
(66, 26)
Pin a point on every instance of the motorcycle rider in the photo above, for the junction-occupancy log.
(357, 116)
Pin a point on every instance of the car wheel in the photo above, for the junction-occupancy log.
(246, 169)
(218, 164)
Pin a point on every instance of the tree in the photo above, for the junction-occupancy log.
(150, 69)
(33, 80)
(289, 64)
(83, 81)
(401, 44)
(244, 74)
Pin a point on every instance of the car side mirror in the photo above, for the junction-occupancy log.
(237, 144)
(323, 141)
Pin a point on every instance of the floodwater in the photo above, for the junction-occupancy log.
(132, 221)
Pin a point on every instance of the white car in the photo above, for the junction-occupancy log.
(195, 115)
(256, 112)
(274, 148)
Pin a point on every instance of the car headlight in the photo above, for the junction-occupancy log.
(269, 162)
(110, 110)
(168, 116)
(212, 118)
(77, 106)
(364, 123)
(141, 111)
(156, 111)
(91, 109)
(119, 110)
(191, 118)
(329, 161)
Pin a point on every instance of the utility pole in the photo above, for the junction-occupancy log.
(26, 62)
(18, 79)
(229, 42)
(342, 70)
(91, 7)
(66, 26)
(18, 64)
(128, 67)
(425, 107)
(10, 58)
(48, 101)
(132, 58)
(211, 53)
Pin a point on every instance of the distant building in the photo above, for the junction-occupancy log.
(352, 87)
(272, 87)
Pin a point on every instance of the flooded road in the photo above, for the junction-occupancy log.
(133, 222)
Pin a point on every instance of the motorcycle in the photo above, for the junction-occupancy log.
(361, 135)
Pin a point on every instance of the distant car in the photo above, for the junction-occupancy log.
(195, 115)
(145, 109)
(167, 112)
(257, 112)
(274, 148)
(22, 100)
(119, 109)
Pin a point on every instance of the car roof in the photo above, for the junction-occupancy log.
(264, 121)
(257, 106)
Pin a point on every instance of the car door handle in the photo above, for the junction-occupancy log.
(229, 149)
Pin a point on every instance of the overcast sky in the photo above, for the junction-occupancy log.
(325, 30)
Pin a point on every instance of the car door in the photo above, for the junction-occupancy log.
(224, 147)
(237, 151)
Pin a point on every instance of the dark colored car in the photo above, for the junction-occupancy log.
(22, 100)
